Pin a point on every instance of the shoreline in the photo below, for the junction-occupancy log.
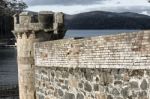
(7, 46)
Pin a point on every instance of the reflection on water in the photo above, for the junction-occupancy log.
(8, 66)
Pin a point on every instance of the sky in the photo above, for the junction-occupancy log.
(79, 6)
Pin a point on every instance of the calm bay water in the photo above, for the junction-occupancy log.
(8, 65)
(90, 33)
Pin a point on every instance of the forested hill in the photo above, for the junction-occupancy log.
(6, 26)
(107, 20)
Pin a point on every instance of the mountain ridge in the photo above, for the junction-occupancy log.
(107, 20)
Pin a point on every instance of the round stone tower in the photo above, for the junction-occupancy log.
(29, 28)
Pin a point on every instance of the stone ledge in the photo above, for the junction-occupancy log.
(100, 67)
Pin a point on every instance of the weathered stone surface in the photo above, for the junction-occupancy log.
(52, 73)
(100, 96)
(109, 97)
(134, 94)
(66, 82)
(117, 82)
(96, 87)
(118, 89)
(69, 96)
(118, 98)
(73, 82)
(117, 64)
(142, 94)
(97, 52)
(41, 97)
(144, 85)
(134, 84)
(118, 76)
(87, 87)
(65, 74)
(97, 67)
(64, 87)
(60, 92)
(115, 92)
(80, 85)
(97, 79)
(136, 73)
(88, 75)
(125, 92)
(126, 77)
(80, 96)
(106, 78)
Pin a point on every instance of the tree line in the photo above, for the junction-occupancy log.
(7, 9)
(11, 7)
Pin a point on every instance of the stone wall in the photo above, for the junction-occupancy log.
(83, 83)
(105, 67)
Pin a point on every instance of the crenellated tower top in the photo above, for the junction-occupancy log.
(44, 21)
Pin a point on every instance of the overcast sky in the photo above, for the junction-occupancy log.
(77, 6)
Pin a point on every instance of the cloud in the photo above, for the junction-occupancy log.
(78, 6)
(62, 2)
(135, 9)
(145, 13)
(127, 2)
(74, 9)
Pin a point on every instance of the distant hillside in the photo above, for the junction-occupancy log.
(6, 26)
(107, 20)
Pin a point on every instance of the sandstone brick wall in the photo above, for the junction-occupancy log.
(127, 50)
(105, 67)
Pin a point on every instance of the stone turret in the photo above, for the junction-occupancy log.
(30, 27)
(44, 21)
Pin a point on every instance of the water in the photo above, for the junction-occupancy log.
(90, 33)
(8, 65)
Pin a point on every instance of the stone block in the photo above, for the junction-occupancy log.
(69, 96)
(87, 87)
(144, 85)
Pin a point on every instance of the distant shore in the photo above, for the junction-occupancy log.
(7, 46)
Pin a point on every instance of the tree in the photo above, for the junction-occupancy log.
(12, 6)
(2, 4)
